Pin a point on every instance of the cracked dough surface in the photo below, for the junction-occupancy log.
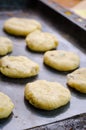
(62, 60)
(6, 106)
(77, 80)
(46, 95)
(21, 26)
(18, 67)
(41, 41)
(5, 45)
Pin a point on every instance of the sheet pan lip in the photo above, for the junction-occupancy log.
(59, 121)
(73, 18)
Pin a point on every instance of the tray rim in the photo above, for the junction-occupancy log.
(61, 10)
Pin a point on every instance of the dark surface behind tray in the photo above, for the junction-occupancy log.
(24, 115)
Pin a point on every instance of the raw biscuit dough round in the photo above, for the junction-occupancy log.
(5, 45)
(41, 41)
(77, 80)
(6, 106)
(21, 26)
(46, 95)
(62, 60)
(18, 67)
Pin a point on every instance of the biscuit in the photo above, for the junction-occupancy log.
(5, 46)
(41, 41)
(6, 106)
(21, 26)
(77, 80)
(62, 60)
(18, 67)
(46, 95)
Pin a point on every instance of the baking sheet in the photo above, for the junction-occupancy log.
(25, 115)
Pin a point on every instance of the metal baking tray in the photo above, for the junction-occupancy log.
(24, 115)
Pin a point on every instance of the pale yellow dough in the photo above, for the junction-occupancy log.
(41, 41)
(18, 67)
(21, 26)
(77, 80)
(5, 45)
(46, 95)
(61, 60)
(6, 106)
